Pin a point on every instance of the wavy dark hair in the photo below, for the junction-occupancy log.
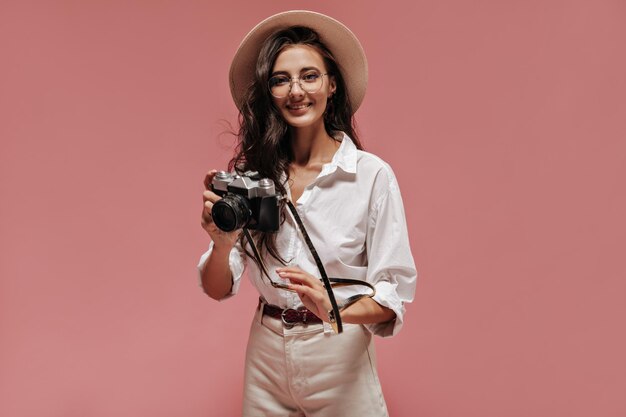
(263, 137)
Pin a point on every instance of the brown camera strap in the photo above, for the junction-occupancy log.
(328, 282)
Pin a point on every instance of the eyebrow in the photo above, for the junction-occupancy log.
(305, 69)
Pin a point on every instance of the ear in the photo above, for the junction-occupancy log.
(333, 86)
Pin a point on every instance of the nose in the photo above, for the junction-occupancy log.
(296, 89)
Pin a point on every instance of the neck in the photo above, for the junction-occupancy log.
(312, 145)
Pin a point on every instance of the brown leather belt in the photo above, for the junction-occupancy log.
(289, 316)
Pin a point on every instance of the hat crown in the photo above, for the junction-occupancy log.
(340, 41)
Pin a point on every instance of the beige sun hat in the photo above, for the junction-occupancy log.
(340, 40)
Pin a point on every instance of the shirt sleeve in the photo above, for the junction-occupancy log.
(237, 263)
(391, 267)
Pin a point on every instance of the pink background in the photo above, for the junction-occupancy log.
(505, 122)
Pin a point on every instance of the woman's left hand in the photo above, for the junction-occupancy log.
(310, 290)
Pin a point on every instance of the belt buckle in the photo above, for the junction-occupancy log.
(286, 323)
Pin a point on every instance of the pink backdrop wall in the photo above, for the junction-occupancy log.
(504, 121)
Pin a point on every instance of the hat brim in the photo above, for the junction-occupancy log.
(340, 40)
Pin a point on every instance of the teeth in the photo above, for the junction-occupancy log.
(298, 107)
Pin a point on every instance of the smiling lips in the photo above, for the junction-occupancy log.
(298, 106)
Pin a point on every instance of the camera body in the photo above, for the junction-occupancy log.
(247, 201)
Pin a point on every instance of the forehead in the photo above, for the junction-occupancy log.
(295, 57)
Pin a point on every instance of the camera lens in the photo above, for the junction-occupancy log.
(231, 212)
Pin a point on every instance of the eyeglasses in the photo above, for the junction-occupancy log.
(280, 85)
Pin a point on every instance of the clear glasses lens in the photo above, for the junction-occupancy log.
(281, 85)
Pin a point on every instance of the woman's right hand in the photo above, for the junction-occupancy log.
(221, 239)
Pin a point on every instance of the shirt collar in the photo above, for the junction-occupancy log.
(345, 158)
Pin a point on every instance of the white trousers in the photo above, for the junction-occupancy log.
(303, 371)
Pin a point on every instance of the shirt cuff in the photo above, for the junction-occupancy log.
(387, 296)
(235, 262)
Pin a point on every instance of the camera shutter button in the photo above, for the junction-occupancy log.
(266, 183)
(222, 175)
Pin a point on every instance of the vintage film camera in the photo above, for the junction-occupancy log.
(247, 201)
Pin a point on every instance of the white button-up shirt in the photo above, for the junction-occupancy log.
(354, 215)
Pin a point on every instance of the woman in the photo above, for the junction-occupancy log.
(297, 79)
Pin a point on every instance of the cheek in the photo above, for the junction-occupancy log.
(323, 101)
(276, 102)
(321, 98)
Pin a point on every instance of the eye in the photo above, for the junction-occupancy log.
(310, 77)
(278, 80)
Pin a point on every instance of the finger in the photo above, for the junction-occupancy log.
(210, 196)
(314, 284)
(207, 215)
(207, 224)
(314, 295)
(206, 220)
(210, 226)
(300, 276)
(294, 270)
(208, 179)
(290, 269)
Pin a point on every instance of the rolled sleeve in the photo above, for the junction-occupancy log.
(387, 296)
(236, 261)
(391, 267)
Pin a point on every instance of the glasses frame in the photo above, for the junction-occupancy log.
(292, 80)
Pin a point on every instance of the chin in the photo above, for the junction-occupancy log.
(303, 121)
(299, 123)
